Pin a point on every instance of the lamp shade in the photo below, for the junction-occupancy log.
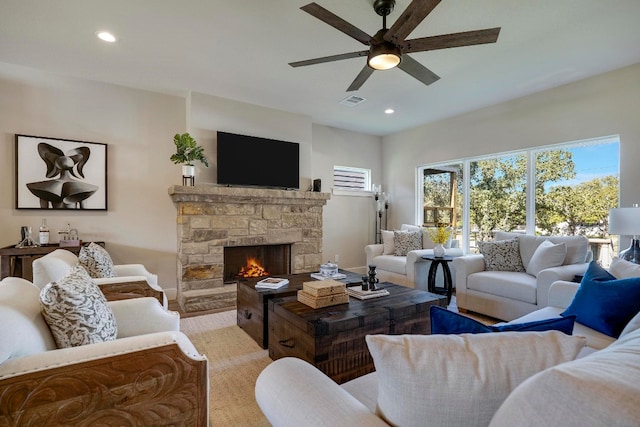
(624, 221)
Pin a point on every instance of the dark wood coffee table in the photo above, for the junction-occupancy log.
(253, 303)
(333, 338)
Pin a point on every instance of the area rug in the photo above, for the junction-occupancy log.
(235, 361)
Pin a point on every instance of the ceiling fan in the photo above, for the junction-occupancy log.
(388, 47)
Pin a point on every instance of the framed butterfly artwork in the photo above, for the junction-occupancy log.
(60, 174)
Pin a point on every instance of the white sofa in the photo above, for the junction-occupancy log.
(410, 270)
(150, 375)
(507, 295)
(600, 387)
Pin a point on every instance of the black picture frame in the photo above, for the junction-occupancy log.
(60, 174)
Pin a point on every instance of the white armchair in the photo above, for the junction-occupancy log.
(151, 374)
(133, 280)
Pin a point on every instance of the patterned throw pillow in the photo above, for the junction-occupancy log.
(501, 255)
(406, 241)
(96, 260)
(76, 310)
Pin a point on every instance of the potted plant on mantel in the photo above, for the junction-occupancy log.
(187, 152)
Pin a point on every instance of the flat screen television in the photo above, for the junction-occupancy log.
(252, 161)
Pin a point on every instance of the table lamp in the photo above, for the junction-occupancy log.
(626, 222)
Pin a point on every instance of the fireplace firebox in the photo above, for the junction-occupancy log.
(256, 261)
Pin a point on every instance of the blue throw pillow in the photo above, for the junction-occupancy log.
(444, 321)
(603, 302)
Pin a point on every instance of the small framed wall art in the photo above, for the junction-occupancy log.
(60, 174)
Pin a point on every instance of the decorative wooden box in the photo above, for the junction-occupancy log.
(253, 303)
(332, 338)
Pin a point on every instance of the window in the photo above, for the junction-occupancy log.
(564, 189)
(351, 179)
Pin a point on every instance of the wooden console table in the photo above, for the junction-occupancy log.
(16, 262)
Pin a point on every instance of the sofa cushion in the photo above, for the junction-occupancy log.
(444, 321)
(603, 302)
(577, 246)
(506, 284)
(501, 255)
(76, 310)
(387, 242)
(392, 263)
(595, 340)
(97, 261)
(23, 330)
(547, 255)
(623, 269)
(410, 227)
(443, 378)
(601, 389)
(407, 241)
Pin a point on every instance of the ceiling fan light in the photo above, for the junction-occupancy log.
(384, 56)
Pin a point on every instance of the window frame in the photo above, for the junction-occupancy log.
(363, 191)
(530, 200)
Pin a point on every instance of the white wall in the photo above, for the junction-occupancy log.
(138, 127)
(349, 221)
(210, 114)
(607, 104)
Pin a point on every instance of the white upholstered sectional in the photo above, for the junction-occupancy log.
(600, 387)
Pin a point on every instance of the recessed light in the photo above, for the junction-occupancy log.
(389, 111)
(106, 36)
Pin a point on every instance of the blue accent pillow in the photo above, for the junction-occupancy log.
(603, 302)
(444, 321)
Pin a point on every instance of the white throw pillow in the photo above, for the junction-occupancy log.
(97, 261)
(406, 241)
(76, 310)
(459, 380)
(623, 269)
(547, 255)
(387, 243)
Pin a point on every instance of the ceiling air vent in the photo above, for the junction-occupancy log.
(352, 101)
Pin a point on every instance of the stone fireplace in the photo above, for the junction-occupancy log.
(211, 218)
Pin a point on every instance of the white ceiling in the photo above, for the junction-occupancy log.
(240, 49)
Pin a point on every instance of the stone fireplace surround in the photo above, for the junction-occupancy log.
(211, 217)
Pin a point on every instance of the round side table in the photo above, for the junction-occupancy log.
(431, 281)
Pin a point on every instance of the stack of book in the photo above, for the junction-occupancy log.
(323, 294)
(357, 292)
(271, 283)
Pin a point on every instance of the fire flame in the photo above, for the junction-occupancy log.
(253, 269)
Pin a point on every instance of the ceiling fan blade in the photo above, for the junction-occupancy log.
(329, 58)
(467, 38)
(361, 78)
(417, 70)
(336, 22)
(412, 16)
